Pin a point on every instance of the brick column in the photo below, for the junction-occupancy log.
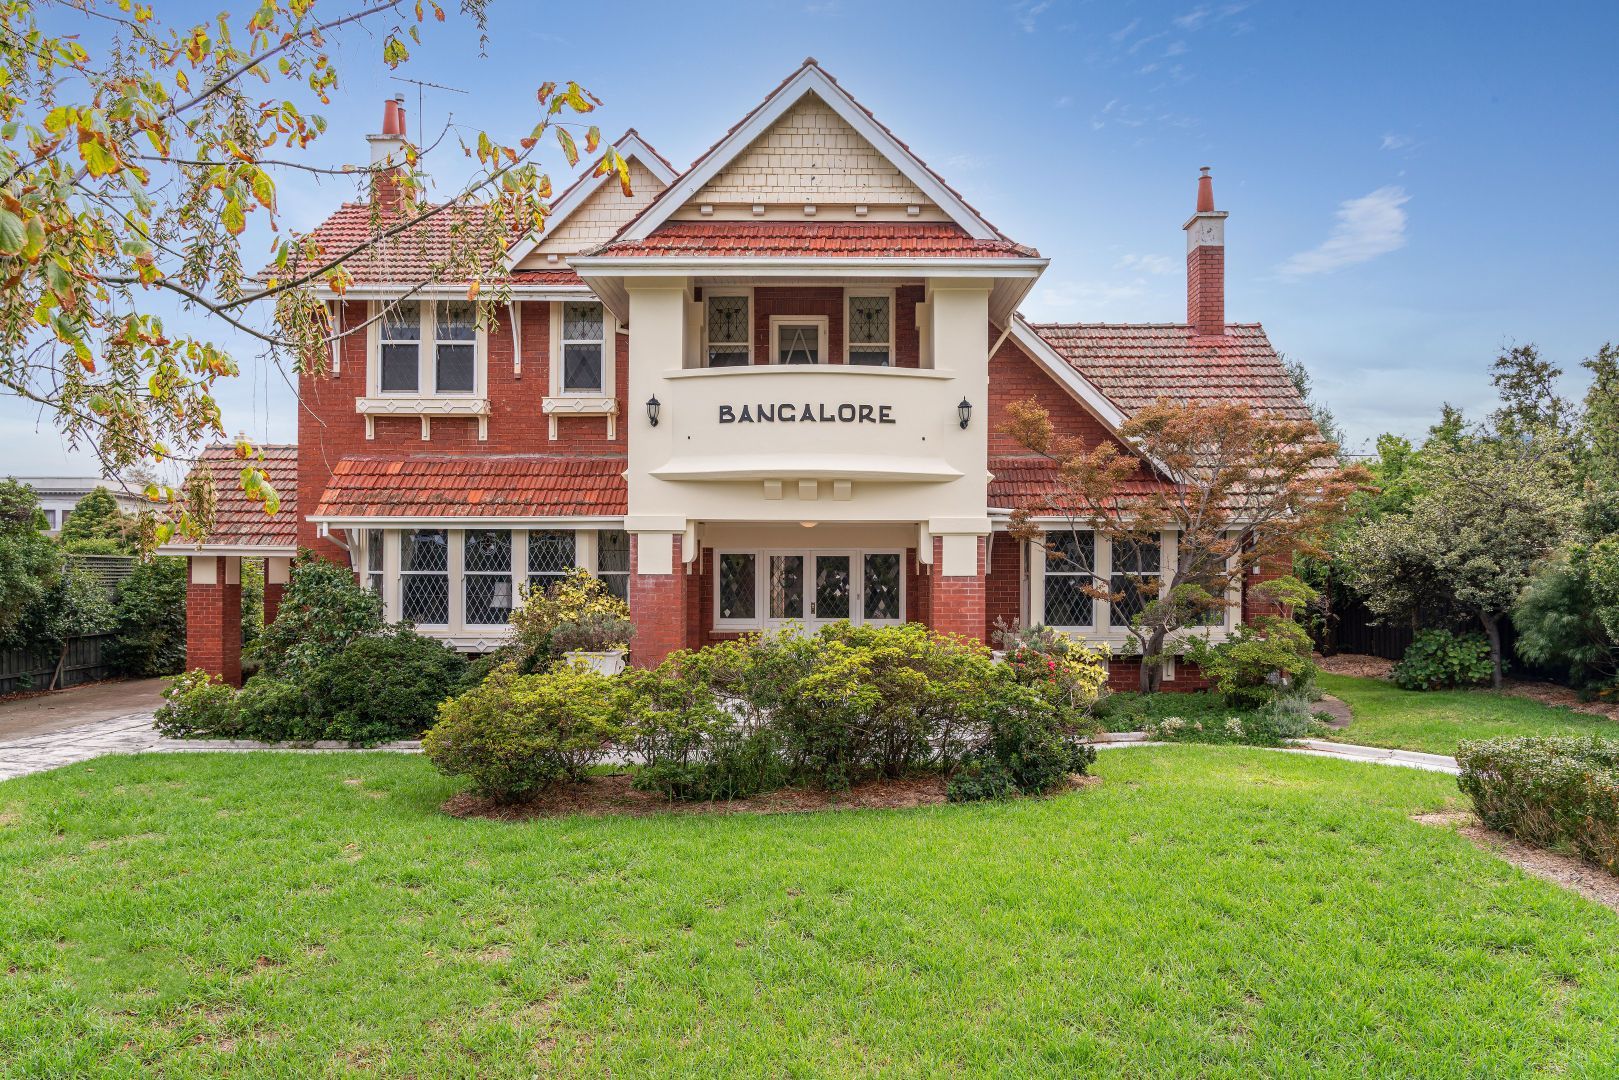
(658, 605)
(957, 601)
(276, 569)
(214, 617)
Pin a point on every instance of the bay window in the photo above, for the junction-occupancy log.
(551, 556)
(727, 332)
(613, 561)
(424, 576)
(1137, 571)
(583, 342)
(373, 560)
(487, 576)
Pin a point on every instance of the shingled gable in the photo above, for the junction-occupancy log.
(809, 79)
(641, 157)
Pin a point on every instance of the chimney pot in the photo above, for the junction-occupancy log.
(1205, 191)
(393, 117)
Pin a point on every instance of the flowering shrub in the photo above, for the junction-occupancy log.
(1550, 791)
(575, 614)
(198, 705)
(1069, 674)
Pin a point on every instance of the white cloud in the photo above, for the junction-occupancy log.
(1028, 13)
(1392, 141)
(1192, 19)
(1367, 227)
(1175, 48)
(1125, 31)
(1148, 264)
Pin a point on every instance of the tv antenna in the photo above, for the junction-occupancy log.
(420, 87)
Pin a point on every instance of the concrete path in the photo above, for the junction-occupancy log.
(1375, 755)
(129, 734)
(61, 710)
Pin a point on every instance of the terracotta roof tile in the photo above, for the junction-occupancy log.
(1136, 364)
(1025, 482)
(437, 485)
(240, 522)
(762, 239)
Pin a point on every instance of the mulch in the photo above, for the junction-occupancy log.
(1365, 667)
(1559, 869)
(612, 795)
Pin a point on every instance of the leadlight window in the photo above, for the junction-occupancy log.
(882, 585)
(424, 576)
(786, 586)
(582, 344)
(1070, 564)
(738, 595)
(400, 331)
(373, 560)
(486, 563)
(871, 326)
(455, 347)
(550, 557)
(726, 319)
(1136, 574)
(613, 561)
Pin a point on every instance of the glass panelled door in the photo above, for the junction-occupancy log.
(833, 588)
(816, 587)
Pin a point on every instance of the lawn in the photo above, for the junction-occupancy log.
(1220, 912)
(1435, 721)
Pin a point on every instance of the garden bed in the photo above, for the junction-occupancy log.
(612, 795)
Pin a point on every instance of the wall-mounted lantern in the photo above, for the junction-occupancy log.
(653, 408)
(965, 411)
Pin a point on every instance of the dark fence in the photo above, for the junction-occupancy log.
(1356, 630)
(32, 668)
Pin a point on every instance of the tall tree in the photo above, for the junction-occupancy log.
(97, 522)
(1489, 511)
(135, 151)
(29, 561)
(1527, 387)
(1601, 420)
(1240, 490)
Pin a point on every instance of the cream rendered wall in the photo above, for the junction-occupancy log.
(795, 472)
(598, 217)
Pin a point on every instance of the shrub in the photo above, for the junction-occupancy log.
(575, 614)
(1439, 658)
(1024, 733)
(514, 734)
(198, 705)
(150, 620)
(979, 779)
(323, 610)
(1551, 791)
(1068, 673)
(1256, 662)
(1289, 716)
(383, 688)
(274, 710)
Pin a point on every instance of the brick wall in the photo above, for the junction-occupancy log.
(659, 605)
(1003, 587)
(1205, 289)
(1125, 674)
(957, 602)
(1015, 377)
(214, 626)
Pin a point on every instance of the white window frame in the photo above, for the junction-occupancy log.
(848, 322)
(1036, 554)
(427, 356)
(761, 592)
(463, 576)
(704, 343)
(603, 402)
(606, 341)
(450, 573)
(380, 315)
(1166, 552)
(823, 324)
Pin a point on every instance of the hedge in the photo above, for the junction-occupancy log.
(1555, 791)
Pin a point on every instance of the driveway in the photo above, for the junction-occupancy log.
(60, 710)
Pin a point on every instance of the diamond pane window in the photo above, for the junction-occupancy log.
(831, 587)
(456, 332)
(582, 333)
(487, 568)
(870, 331)
(882, 578)
(424, 576)
(400, 332)
(613, 561)
(737, 586)
(550, 557)
(728, 330)
(373, 560)
(1136, 572)
(786, 586)
(1070, 568)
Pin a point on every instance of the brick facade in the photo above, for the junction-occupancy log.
(659, 605)
(214, 626)
(1205, 290)
(956, 603)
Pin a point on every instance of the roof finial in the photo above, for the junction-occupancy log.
(809, 61)
(1205, 191)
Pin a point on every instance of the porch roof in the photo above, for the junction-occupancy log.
(466, 486)
(813, 239)
(240, 522)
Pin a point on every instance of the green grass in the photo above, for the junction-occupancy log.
(1435, 721)
(1207, 912)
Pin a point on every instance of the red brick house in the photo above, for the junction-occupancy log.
(766, 389)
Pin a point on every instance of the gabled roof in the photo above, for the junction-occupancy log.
(810, 78)
(239, 522)
(633, 148)
(827, 239)
(1136, 364)
(409, 257)
(468, 486)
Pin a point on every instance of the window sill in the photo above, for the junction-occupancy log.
(582, 404)
(426, 407)
(765, 370)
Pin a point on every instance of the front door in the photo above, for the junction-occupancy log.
(832, 591)
(812, 588)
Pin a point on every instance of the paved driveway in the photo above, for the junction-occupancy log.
(48, 730)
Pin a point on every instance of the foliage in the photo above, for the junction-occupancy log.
(151, 619)
(1601, 420)
(96, 524)
(1554, 792)
(1252, 489)
(1286, 716)
(1071, 675)
(981, 779)
(1024, 735)
(1491, 510)
(323, 610)
(76, 605)
(197, 705)
(574, 614)
(29, 562)
(1441, 659)
(274, 710)
(1256, 662)
(134, 160)
(251, 574)
(1561, 623)
(514, 735)
(383, 688)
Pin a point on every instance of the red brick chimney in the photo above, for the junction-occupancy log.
(1205, 263)
(388, 155)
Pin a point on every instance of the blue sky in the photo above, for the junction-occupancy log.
(1411, 186)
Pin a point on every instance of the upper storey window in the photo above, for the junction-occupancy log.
(798, 339)
(583, 342)
(871, 329)
(447, 366)
(728, 333)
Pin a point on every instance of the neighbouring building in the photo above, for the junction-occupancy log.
(767, 389)
(58, 495)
